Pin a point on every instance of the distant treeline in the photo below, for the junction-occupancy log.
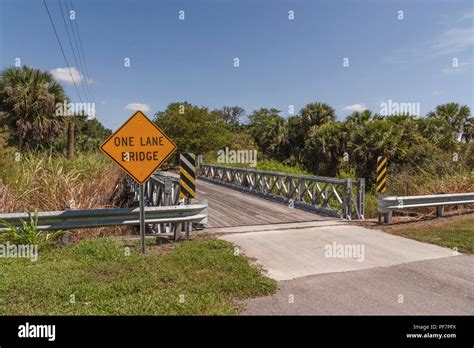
(315, 140)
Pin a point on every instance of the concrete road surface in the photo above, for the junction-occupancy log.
(333, 267)
(331, 246)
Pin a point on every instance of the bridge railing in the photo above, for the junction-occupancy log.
(331, 196)
(162, 189)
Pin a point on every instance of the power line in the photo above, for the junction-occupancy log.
(62, 51)
(72, 48)
(83, 55)
(81, 60)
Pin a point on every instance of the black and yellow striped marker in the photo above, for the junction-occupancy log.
(187, 175)
(381, 185)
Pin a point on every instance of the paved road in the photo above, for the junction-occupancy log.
(434, 287)
(373, 272)
(329, 246)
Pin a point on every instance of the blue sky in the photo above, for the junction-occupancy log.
(282, 62)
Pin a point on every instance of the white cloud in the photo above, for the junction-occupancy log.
(454, 40)
(63, 75)
(355, 107)
(138, 107)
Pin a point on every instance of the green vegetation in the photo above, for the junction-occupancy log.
(28, 233)
(34, 172)
(194, 129)
(42, 181)
(28, 99)
(96, 277)
(457, 234)
(275, 166)
(89, 134)
(426, 154)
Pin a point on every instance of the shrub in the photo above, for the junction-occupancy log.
(28, 233)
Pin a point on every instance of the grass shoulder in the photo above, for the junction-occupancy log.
(451, 232)
(107, 277)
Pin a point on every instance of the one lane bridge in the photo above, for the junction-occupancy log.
(228, 208)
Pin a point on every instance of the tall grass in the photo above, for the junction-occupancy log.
(45, 182)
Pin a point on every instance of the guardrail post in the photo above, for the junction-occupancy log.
(383, 213)
(299, 190)
(440, 210)
(167, 192)
(361, 197)
(290, 186)
(348, 194)
(199, 164)
(344, 203)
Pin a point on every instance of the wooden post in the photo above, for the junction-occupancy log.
(70, 140)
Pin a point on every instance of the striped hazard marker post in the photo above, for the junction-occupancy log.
(187, 182)
(381, 184)
(187, 176)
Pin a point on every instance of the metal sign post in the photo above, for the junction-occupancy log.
(139, 147)
(142, 218)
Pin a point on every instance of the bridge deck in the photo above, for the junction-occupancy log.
(228, 207)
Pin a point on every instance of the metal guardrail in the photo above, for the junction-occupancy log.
(331, 196)
(162, 189)
(386, 204)
(73, 219)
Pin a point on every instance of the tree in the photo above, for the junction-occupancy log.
(88, 135)
(359, 118)
(231, 115)
(70, 140)
(268, 130)
(193, 129)
(316, 114)
(324, 148)
(438, 131)
(468, 135)
(456, 116)
(303, 126)
(28, 98)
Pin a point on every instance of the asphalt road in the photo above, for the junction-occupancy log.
(443, 286)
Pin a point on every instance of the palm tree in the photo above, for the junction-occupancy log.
(268, 129)
(359, 118)
(469, 130)
(317, 114)
(28, 99)
(454, 114)
(324, 147)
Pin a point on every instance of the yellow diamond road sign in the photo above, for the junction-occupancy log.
(139, 147)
